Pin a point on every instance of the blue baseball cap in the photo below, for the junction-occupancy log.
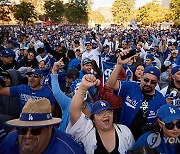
(168, 113)
(57, 44)
(150, 39)
(151, 49)
(152, 70)
(150, 56)
(88, 42)
(35, 71)
(175, 69)
(99, 106)
(15, 44)
(5, 53)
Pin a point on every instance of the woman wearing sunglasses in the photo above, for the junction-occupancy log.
(165, 136)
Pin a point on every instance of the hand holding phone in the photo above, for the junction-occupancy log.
(132, 52)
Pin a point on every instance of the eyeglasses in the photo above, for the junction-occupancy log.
(171, 125)
(105, 112)
(151, 81)
(31, 55)
(33, 75)
(34, 131)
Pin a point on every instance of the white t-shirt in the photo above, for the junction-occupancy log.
(39, 58)
(93, 54)
(84, 131)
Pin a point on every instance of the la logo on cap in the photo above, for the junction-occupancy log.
(30, 117)
(151, 72)
(103, 104)
(172, 110)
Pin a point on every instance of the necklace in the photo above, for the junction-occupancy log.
(144, 108)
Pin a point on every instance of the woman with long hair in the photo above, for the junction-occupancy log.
(99, 134)
(165, 135)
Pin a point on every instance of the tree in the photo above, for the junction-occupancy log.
(122, 10)
(175, 9)
(76, 12)
(24, 11)
(54, 10)
(97, 17)
(5, 13)
(152, 13)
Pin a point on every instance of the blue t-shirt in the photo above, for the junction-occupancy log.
(74, 63)
(132, 100)
(25, 92)
(59, 143)
(157, 141)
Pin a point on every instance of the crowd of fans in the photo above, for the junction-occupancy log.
(137, 107)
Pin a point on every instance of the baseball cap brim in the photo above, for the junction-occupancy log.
(102, 109)
(4, 73)
(29, 73)
(170, 118)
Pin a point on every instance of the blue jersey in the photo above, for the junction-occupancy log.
(74, 63)
(59, 143)
(157, 141)
(25, 92)
(132, 100)
(81, 74)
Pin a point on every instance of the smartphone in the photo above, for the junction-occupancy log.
(131, 53)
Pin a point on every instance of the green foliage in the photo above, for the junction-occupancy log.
(54, 10)
(122, 10)
(76, 12)
(25, 12)
(152, 13)
(175, 9)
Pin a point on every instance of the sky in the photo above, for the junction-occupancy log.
(108, 3)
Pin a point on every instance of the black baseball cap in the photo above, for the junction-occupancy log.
(72, 73)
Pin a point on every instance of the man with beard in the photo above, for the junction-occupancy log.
(34, 90)
(86, 67)
(36, 132)
(140, 100)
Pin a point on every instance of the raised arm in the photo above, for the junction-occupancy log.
(88, 81)
(99, 49)
(113, 80)
(61, 98)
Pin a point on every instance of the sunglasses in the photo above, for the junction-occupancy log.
(171, 125)
(33, 75)
(151, 81)
(34, 131)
